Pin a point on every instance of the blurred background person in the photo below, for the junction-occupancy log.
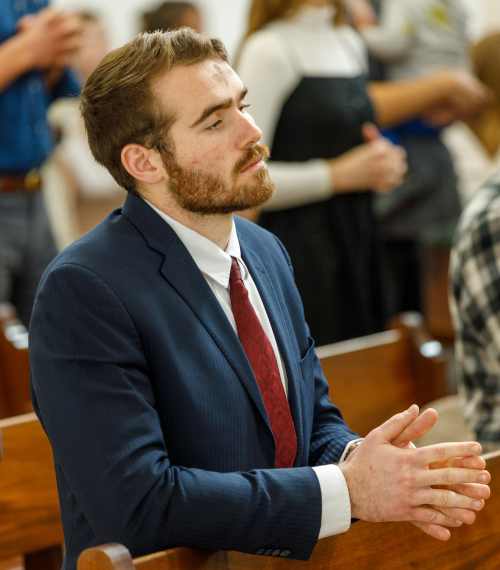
(306, 74)
(475, 304)
(93, 46)
(475, 144)
(371, 12)
(414, 38)
(82, 192)
(308, 96)
(171, 16)
(36, 45)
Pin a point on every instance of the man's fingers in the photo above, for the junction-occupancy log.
(444, 498)
(445, 451)
(472, 490)
(397, 424)
(472, 462)
(463, 515)
(417, 428)
(431, 515)
(454, 476)
(433, 530)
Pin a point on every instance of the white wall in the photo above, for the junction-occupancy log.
(224, 18)
(488, 16)
(227, 18)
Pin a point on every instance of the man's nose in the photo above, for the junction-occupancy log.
(251, 134)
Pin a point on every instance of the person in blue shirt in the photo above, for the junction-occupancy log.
(36, 44)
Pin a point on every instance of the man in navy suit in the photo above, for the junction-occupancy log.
(164, 430)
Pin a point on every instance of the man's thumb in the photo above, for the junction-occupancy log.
(398, 423)
(370, 132)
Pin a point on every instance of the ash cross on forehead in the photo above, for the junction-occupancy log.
(223, 73)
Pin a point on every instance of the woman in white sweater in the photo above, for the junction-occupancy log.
(307, 88)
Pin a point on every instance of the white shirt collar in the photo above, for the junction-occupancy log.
(211, 260)
(314, 16)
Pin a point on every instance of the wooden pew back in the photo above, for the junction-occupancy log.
(15, 396)
(30, 520)
(366, 546)
(374, 377)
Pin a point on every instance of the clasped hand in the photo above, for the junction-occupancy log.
(51, 37)
(433, 487)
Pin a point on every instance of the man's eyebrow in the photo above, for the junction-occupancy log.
(214, 108)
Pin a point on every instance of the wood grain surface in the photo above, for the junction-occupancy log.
(30, 519)
(15, 397)
(367, 384)
(374, 377)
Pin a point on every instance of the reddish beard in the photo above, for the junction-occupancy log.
(207, 193)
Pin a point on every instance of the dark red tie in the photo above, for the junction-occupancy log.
(262, 359)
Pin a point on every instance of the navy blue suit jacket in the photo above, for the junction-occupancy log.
(159, 432)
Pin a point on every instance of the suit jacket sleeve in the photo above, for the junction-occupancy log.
(330, 433)
(91, 391)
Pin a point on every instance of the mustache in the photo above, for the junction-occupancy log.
(257, 150)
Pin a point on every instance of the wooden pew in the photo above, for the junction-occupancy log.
(436, 288)
(15, 396)
(30, 520)
(373, 377)
(366, 546)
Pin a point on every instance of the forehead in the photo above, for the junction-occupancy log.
(186, 91)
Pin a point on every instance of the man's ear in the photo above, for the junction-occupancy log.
(143, 164)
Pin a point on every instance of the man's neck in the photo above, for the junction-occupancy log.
(216, 227)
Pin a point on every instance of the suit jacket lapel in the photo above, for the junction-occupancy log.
(180, 270)
(281, 327)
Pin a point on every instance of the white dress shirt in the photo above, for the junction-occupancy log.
(215, 265)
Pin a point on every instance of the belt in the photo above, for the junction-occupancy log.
(31, 182)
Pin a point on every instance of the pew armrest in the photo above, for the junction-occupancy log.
(110, 556)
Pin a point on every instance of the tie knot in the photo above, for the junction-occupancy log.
(235, 271)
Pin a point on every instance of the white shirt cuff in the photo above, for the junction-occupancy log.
(335, 501)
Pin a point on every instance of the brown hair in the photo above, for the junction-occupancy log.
(118, 104)
(263, 12)
(168, 16)
(486, 59)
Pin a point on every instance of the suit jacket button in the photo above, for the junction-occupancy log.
(285, 553)
(260, 552)
(268, 552)
(277, 552)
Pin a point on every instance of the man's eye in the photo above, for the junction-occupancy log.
(243, 107)
(214, 126)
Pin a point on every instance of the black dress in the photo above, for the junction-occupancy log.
(333, 244)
